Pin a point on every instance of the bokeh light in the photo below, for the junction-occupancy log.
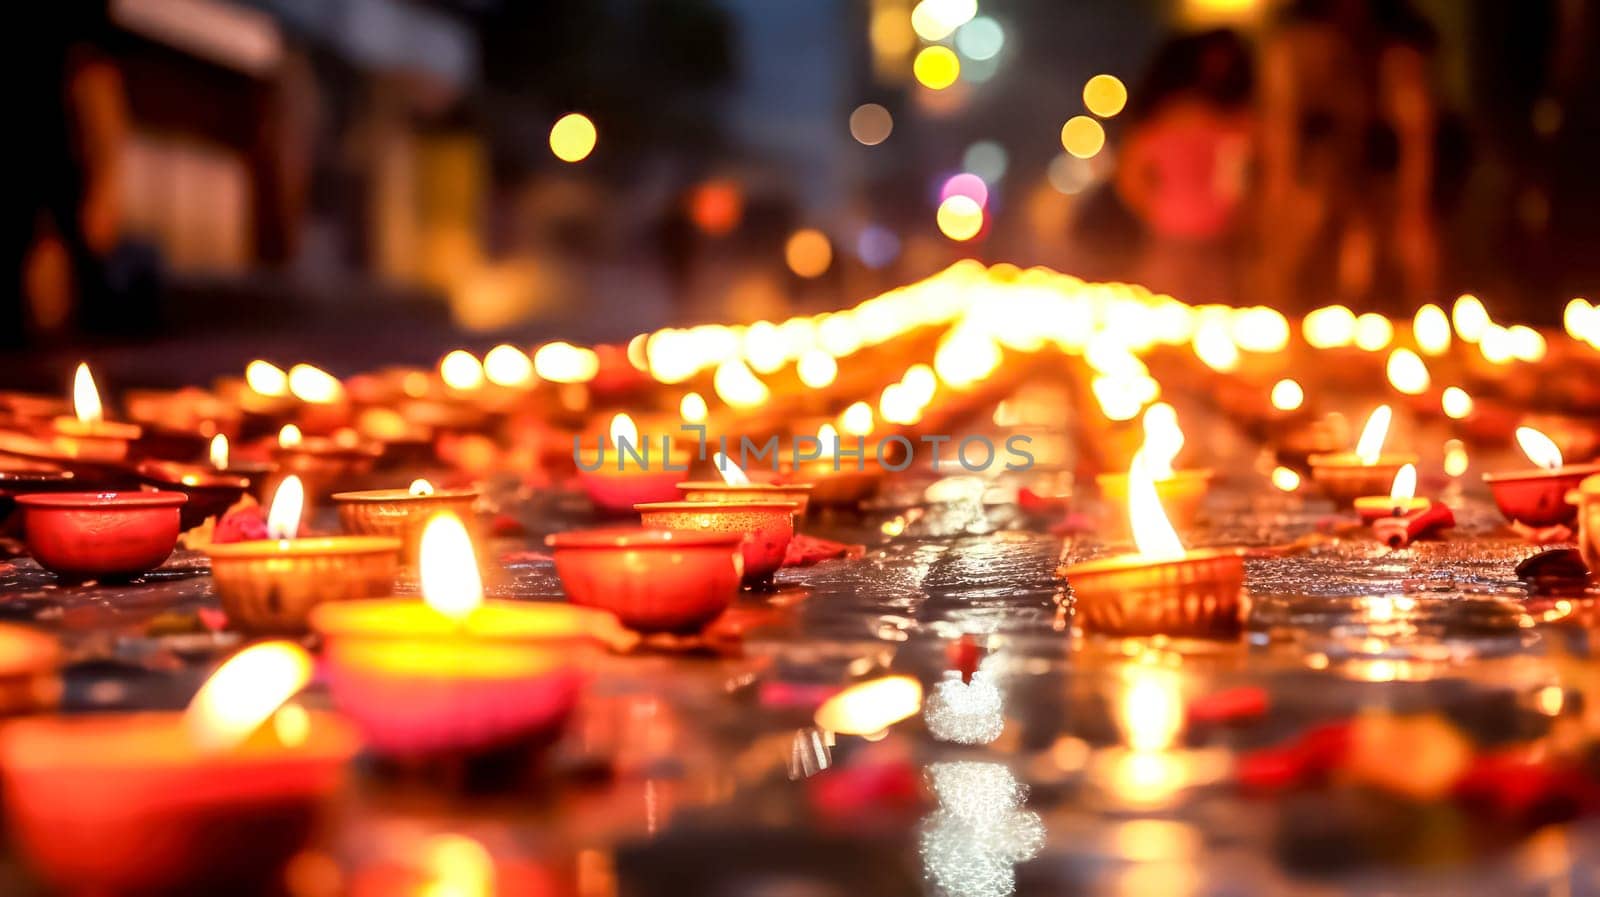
(936, 67)
(573, 137)
(1287, 395)
(981, 39)
(871, 124)
(1104, 95)
(877, 246)
(1082, 136)
(965, 184)
(986, 159)
(960, 218)
(935, 20)
(808, 252)
(1069, 174)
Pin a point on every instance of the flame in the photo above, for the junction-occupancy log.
(816, 368)
(623, 431)
(738, 386)
(857, 420)
(1370, 447)
(1329, 327)
(869, 708)
(266, 378)
(1431, 329)
(314, 385)
(461, 370)
(1163, 439)
(457, 866)
(828, 436)
(283, 518)
(244, 693)
(289, 436)
(1287, 395)
(420, 486)
(1152, 531)
(1407, 373)
(1405, 485)
(1456, 402)
(451, 584)
(1470, 318)
(692, 408)
(506, 365)
(1455, 457)
(561, 362)
(732, 474)
(1285, 479)
(85, 397)
(1373, 331)
(1539, 448)
(292, 725)
(219, 451)
(1150, 708)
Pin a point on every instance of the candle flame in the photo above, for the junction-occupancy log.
(244, 693)
(314, 385)
(289, 437)
(692, 408)
(561, 362)
(1456, 402)
(451, 583)
(1163, 439)
(732, 474)
(461, 370)
(738, 386)
(624, 431)
(1370, 447)
(1455, 458)
(219, 451)
(1407, 372)
(1405, 485)
(85, 397)
(1431, 328)
(871, 707)
(283, 518)
(857, 419)
(506, 365)
(266, 378)
(1470, 318)
(1539, 448)
(1287, 394)
(1285, 479)
(1152, 531)
(420, 486)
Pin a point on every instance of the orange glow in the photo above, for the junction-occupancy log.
(1370, 447)
(1455, 457)
(289, 437)
(314, 385)
(461, 370)
(1407, 373)
(869, 708)
(1431, 329)
(1150, 708)
(959, 217)
(1329, 327)
(1579, 319)
(936, 67)
(692, 408)
(507, 365)
(816, 368)
(1083, 137)
(1470, 318)
(244, 693)
(1373, 332)
(572, 137)
(1457, 404)
(1287, 395)
(1285, 479)
(420, 486)
(449, 574)
(1260, 329)
(1405, 485)
(738, 387)
(624, 431)
(85, 397)
(1214, 345)
(732, 473)
(1540, 449)
(856, 420)
(1105, 95)
(808, 253)
(1152, 531)
(871, 124)
(562, 362)
(716, 206)
(283, 517)
(219, 451)
(265, 378)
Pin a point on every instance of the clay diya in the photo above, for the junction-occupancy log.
(454, 673)
(210, 493)
(1347, 476)
(211, 801)
(401, 513)
(1402, 500)
(654, 580)
(1586, 498)
(88, 435)
(767, 528)
(1161, 589)
(322, 462)
(101, 535)
(271, 585)
(735, 486)
(1538, 498)
(255, 473)
(630, 472)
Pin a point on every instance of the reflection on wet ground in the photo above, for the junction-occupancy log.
(1038, 762)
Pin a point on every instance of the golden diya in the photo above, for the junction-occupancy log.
(271, 585)
(213, 800)
(654, 580)
(1538, 497)
(87, 435)
(766, 526)
(455, 673)
(1347, 476)
(1181, 491)
(1402, 500)
(402, 513)
(630, 473)
(1161, 589)
(736, 486)
(323, 461)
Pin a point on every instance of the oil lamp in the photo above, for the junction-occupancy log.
(88, 435)
(270, 585)
(224, 460)
(322, 461)
(767, 528)
(1346, 476)
(1161, 589)
(1181, 491)
(455, 673)
(402, 513)
(736, 486)
(1538, 498)
(101, 535)
(629, 474)
(210, 493)
(212, 800)
(1400, 502)
(654, 580)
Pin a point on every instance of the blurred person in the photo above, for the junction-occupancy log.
(1349, 120)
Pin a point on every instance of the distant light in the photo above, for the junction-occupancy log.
(692, 408)
(1527, 344)
(1455, 457)
(891, 34)
(461, 370)
(816, 368)
(1407, 373)
(982, 38)
(572, 138)
(1105, 95)
(968, 185)
(1329, 327)
(1431, 329)
(936, 67)
(808, 253)
(1285, 479)
(1470, 318)
(1373, 331)
(509, 366)
(986, 159)
(877, 246)
(716, 206)
(870, 124)
(1069, 174)
(1082, 136)
(1287, 395)
(977, 71)
(934, 20)
(960, 218)
(1457, 404)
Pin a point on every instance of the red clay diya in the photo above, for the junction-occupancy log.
(210, 493)
(454, 673)
(101, 535)
(402, 513)
(654, 580)
(767, 527)
(630, 472)
(1538, 497)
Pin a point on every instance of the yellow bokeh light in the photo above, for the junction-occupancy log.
(1455, 401)
(816, 368)
(692, 408)
(1083, 137)
(1373, 332)
(871, 124)
(936, 67)
(506, 365)
(1407, 373)
(1455, 457)
(562, 362)
(1287, 395)
(1105, 95)
(856, 420)
(808, 252)
(960, 217)
(935, 20)
(1431, 328)
(1470, 318)
(1329, 327)
(1285, 479)
(573, 137)
(266, 378)
(461, 370)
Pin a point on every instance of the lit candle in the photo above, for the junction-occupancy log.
(1537, 498)
(1400, 502)
(402, 513)
(455, 673)
(240, 767)
(736, 486)
(1346, 476)
(1181, 491)
(631, 472)
(271, 585)
(88, 435)
(833, 481)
